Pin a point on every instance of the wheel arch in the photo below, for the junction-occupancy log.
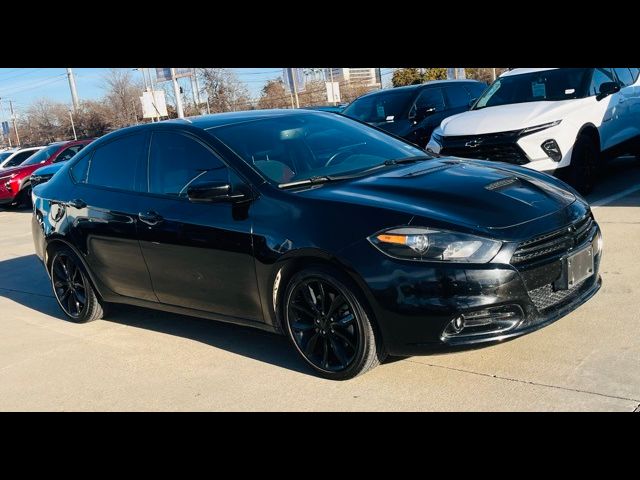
(289, 265)
(591, 131)
(57, 242)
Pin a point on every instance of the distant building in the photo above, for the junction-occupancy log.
(367, 76)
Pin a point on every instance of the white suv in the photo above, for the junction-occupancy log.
(561, 121)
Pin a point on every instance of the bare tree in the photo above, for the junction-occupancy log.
(225, 91)
(121, 93)
(483, 74)
(274, 95)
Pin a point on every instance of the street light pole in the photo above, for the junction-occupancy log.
(176, 91)
(493, 74)
(333, 94)
(2, 113)
(15, 126)
(73, 127)
(294, 88)
(72, 87)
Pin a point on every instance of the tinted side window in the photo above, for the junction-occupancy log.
(177, 161)
(476, 89)
(457, 96)
(430, 98)
(114, 164)
(634, 73)
(624, 75)
(19, 158)
(600, 76)
(68, 153)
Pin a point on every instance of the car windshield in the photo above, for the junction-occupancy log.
(291, 148)
(42, 156)
(380, 107)
(544, 85)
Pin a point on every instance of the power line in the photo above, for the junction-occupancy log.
(21, 74)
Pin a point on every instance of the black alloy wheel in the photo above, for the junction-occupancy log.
(328, 326)
(72, 289)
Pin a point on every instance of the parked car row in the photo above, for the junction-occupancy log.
(561, 121)
(16, 174)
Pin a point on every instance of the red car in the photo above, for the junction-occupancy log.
(15, 183)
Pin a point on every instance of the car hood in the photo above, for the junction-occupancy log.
(17, 169)
(49, 169)
(471, 193)
(504, 118)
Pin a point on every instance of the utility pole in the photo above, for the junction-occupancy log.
(73, 127)
(176, 92)
(294, 87)
(2, 113)
(493, 74)
(153, 95)
(333, 95)
(72, 86)
(15, 126)
(208, 107)
(135, 111)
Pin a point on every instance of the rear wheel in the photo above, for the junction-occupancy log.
(329, 326)
(73, 290)
(584, 166)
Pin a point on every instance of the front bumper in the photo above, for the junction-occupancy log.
(414, 304)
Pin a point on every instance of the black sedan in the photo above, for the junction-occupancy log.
(351, 242)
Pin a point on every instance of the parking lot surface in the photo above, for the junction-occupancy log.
(140, 359)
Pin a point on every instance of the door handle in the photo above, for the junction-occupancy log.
(77, 203)
(150, 218)
(621, 100)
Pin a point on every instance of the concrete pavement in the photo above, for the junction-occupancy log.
(145, 360)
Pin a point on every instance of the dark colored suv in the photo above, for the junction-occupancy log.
(413, 112)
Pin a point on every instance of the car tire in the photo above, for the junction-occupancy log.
(72, 288)
(23, 199)
(329, 325)
(585, 164)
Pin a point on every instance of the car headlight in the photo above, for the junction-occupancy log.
(425, 244)
(537, 128)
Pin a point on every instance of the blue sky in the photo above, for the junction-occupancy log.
(24, 85)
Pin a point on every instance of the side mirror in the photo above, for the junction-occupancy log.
(608, 88)
(472, 101)
(212, 192)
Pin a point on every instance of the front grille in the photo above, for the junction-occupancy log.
(554, 243)
(546, 297)
(501, 147)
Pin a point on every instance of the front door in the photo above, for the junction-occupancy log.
(199, 255)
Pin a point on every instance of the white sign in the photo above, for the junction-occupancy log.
(153, 104)
(164, 74)
(333, 91)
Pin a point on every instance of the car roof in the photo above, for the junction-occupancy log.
(520, 71)
(220, 119)
(418, 86)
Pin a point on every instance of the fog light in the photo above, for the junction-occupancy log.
(457, 324)
(551, 148)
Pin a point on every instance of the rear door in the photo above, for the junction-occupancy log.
(104, 212)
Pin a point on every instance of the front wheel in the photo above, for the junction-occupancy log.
(329, 325)
(584, 165)
(73, 290)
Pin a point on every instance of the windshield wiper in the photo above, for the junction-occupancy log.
(399, 161)
(308, 181)
(334, 178)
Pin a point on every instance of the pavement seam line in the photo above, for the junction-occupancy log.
(577, 390)
(28, 293)
(637, 409)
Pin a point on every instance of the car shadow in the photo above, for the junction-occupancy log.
(24, 281)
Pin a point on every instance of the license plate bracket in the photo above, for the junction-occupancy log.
(576, 268)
